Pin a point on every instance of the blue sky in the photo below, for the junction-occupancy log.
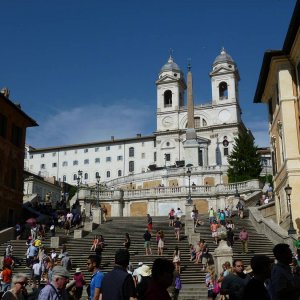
(86, 70)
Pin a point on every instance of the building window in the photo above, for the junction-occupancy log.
(223, 90)
(120, 157)
(167, 156)
(17, 135)
(75, 177)
(54, 165)
(154, 158)
(97, 149)
(108, 174)
(143, 155)
(108, 158)
(3, 125)
(86, 161)
(86, 150)
(168, 98)
(31, 156)
(131, 152)
(64, 178)
(107, 148)
(97, 175)
(42, 155)
(65, 164)
(97, 160)
(119, 173)
(86, 176)
(131, 166)
(54, 154)
(143, 144)
(75, 162)
(204, 123)
(43, 166)
(226, 152)
(197, 122)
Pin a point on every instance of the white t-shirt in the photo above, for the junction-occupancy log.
(37, 269)
(179, 213)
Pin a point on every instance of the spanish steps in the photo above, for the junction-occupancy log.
(113, 231)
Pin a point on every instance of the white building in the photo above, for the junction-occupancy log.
(216, 124)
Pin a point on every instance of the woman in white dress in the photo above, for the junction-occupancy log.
(176, 259)
(161, 243)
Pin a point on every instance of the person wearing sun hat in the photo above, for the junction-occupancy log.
(56, 290)
(79, 283)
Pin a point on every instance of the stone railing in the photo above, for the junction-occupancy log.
(180, 191)
(167, 172)
(267, 226)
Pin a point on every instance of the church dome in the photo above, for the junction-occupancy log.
(170, 66)
(223, 57)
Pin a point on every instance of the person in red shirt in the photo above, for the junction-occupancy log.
(6, 278)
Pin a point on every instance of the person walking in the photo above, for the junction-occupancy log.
(161, 243)
(244, 238)
(18, 290)
(261, 269)
(235, 282)
(176, 259)
(93, 265)
(162, 278)
(56, 290)
(147, 245)
(127, 241)
(283, 284)
(118, 284)
(149, 223)
(79, 283)
(177, 228)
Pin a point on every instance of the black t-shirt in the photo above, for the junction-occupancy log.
(256, 290)
(147, 236)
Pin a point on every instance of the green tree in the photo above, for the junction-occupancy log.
(244, 161)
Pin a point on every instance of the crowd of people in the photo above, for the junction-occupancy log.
(51, 277)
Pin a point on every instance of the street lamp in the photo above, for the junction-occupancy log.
(78, 182)
(189, 197)
(98, 186)
(288, 191)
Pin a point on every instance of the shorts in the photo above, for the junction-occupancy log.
(177, 229)
(147, 244)
(214, 234)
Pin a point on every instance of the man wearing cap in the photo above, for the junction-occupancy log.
(118, 283)
(56, 290)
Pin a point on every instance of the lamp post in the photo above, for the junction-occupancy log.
(98, 186)
(79, 177)
(288, 191)
(189, 197)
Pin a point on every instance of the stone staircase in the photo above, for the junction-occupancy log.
(192, 276)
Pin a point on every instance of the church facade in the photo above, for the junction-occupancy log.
(186, 134)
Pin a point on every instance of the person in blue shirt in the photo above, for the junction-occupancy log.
(93, 264)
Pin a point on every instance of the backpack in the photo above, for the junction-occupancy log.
(177, 283)
(216, 289)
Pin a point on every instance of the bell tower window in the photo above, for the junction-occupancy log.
(223, 90)
(168, 98)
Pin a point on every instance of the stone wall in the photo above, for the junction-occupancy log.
(138, 209)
